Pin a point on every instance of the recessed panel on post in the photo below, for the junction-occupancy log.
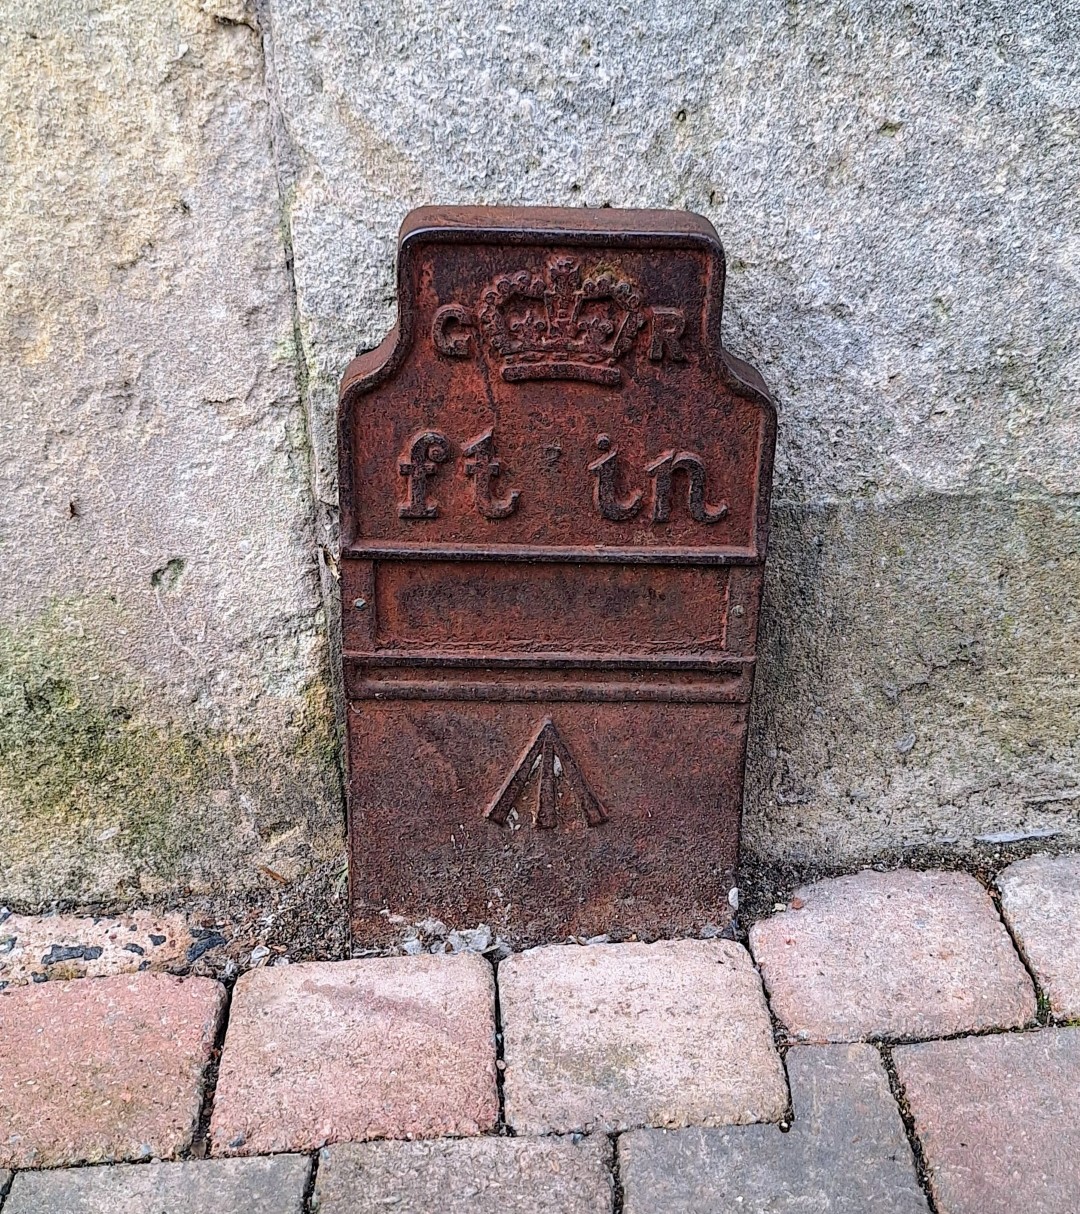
(555, 488)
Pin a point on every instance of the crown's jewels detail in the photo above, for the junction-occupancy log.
(569, 324)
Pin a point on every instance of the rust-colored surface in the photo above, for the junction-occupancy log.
(555, 493)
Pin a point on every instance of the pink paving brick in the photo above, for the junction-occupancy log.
(101, 1069)
(897, 954)
(999, 1120)
(1040, 899)
(387, 1047)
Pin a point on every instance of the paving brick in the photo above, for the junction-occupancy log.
(103, 1068)
(894, 955)
(471, 1176)
(846, 1152)
(999, 1120)
(613, 1036)
(36, 947)
(1040, 899)
(209, 1186)
(398, 1047)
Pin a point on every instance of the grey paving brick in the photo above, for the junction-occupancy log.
(999, 1120)
(1040, 899)
(846, 1152)
(208, 1186)
(471, 1176)
(615, 1036)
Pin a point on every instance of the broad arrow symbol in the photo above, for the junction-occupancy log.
(548, 752)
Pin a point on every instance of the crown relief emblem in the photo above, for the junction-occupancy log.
(565, 323)
(568, 324)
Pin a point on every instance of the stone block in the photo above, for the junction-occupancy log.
(886, 711)
(644, 127)
(206, 1186)
(1040, 899)
(925, 542)
(999, 1120)
(103, 1069)
(891, 954)
(400, 1047)
(165, 717)
(473, 1176)
(36, 947)
(608, 1037)
(846, 1151)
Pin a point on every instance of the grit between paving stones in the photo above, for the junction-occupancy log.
(385, 1047)
(211, 1186)
(1040, 900)
(103, 1069)
(846, 1151)
(609, 1037)
(891, 955)
(999, 1120)
(473, 1176)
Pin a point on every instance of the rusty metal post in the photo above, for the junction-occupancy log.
(555, 489)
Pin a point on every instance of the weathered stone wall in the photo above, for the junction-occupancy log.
(896, 188)
(165, 722)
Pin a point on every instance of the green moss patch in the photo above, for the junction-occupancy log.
(97, 797)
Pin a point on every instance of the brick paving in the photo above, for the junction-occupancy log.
(211, 1186)
(999, 1120)
(342, 1051)
(100, 1069)
(1038, 897)
(604, 1045)
(846, 1150)
(892, 955)
(612, 1036)
(477, 1176)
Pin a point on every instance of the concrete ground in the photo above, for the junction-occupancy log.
(885, 1042)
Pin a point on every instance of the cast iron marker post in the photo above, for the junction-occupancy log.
(555, 491)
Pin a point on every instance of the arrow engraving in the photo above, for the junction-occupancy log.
(548, 752)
